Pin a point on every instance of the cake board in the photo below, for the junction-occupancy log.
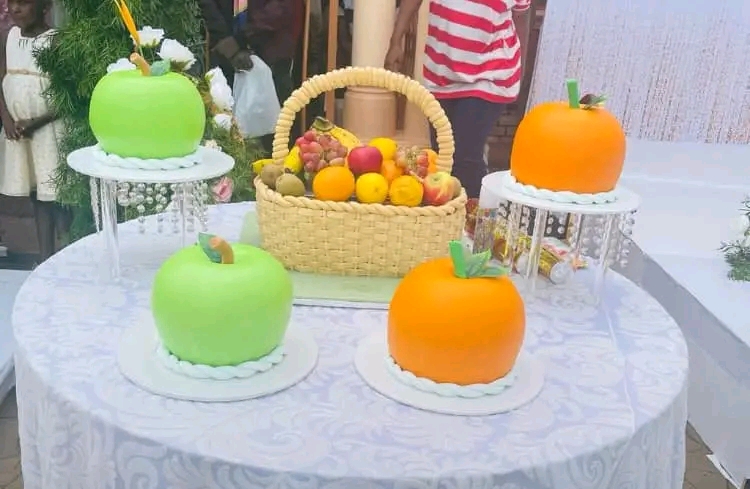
(599, 230)
(311, 289)
(370, 362)
(113, 185)
(138, 361)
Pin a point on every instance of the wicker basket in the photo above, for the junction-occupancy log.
(350, 238)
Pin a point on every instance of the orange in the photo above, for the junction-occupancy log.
(407, 191)
(458, 330)
(560, 148)
(387, 147)
(333, 183)
(372, 188)
(432, 159)
(390, 170)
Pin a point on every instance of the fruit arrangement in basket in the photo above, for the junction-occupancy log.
(329, 163)
(330, 204)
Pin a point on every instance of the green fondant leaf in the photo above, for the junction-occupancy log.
(492, 271)
(204, 240)
(458, 256)
(159, 68)
(590, 101)
(475, 264)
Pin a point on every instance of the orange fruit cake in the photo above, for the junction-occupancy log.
(456, 320)
(576, 146)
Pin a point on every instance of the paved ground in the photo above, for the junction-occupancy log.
(700, 473)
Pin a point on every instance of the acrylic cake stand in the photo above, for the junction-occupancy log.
(148, 191)
(597, 231)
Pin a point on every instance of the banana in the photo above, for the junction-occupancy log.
(292, 161)
(343, 136)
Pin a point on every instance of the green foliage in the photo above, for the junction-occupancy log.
(738, 258)
(92, 38)
(244, 152)
(737, 253)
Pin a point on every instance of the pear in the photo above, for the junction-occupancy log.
(270, 173)
(290, 184)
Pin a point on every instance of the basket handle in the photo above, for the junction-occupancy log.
(366, 77)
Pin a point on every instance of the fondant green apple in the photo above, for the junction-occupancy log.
(220, 304)
(137, 115)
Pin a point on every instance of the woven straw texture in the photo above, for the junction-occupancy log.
(349, 238)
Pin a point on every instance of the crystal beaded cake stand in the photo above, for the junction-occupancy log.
(601, 232)
(148, 191)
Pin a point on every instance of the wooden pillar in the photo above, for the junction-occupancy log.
(416, 129)
(371, 112)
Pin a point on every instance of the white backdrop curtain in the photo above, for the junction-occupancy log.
(673, 70)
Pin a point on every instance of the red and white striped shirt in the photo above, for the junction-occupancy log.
(472, 49)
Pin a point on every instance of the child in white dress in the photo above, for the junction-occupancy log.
(31, 129)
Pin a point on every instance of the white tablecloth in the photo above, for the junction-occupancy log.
(611, 415)
(690, 193)
(10, 282)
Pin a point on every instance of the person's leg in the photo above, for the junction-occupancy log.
(472, 120)
(44, 217)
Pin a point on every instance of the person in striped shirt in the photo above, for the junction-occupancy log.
(473, 64)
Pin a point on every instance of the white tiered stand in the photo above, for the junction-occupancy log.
(598, 231)
(184, 190)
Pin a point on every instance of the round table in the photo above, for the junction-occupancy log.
(612, 413)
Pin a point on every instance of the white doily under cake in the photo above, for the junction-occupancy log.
(140, 364)
(563, 197)
(494, 193)
(214, 163)
(446, 389)
(152, 164)
(241, 371)
(370, 364)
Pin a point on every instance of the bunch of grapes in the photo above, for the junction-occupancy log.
(414, 161)
(320, 150)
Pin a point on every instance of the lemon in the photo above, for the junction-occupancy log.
(387, 147)
(407, 191)
(371, 188)
(259, 164)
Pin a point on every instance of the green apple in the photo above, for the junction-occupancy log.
(134, 115)
(223, 313)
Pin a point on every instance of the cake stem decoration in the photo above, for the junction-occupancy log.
(473, 265)
(141, 63)
(587, 102)
(217, 249)
(573, 93)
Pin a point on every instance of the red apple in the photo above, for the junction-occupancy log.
(365, 159)
(438, 188)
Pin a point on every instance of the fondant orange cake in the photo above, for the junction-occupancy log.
(456, 320)
(576, 146)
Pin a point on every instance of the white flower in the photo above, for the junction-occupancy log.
(215, 76)
(177, 54)
(211, 144)
(222, 97)
(224, 121)
(121, 64)
(739, 226)
(150, 37)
